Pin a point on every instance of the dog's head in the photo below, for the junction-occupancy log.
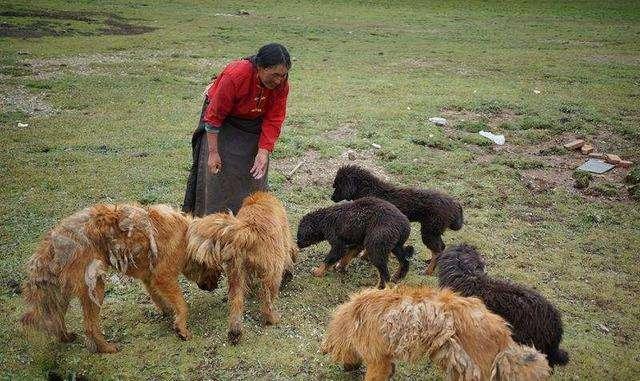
(519, 362)
(309, 230)
(349, 182)
(204, 276)
(463, 258)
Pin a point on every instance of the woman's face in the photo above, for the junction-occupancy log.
(272, 77)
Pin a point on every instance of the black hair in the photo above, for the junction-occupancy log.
(271, 55)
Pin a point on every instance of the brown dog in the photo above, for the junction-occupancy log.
(145, 243)
(459, 334)
(255, 245)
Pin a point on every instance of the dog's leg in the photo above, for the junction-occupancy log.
(404, 264)
(64, 336)
(433, 241)
(91, 314)
(270, 287)
(170, 291)
(236, 280)
(379, 260)
(157, 298)
(342, 264)
(380, 370)
(338, 250)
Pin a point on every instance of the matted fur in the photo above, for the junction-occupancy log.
(145, 243)
(255, 244)
(369, 224)
(534, 320)
(435, 211)
(464, 339)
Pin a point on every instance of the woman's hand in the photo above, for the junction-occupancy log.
(260, 164)
(214, 163)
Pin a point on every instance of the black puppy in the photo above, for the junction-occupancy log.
(535, 321)
(369, 223)
(435, 211)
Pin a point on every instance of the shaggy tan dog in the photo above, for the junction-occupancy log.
(459, 334)
(254, 245)
(145, 243)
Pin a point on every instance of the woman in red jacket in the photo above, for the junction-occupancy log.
(240, 122)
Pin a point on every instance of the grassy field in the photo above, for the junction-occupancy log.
(111, 94)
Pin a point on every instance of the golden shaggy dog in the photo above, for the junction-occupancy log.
(145, 243)
(459, 334)
(254, 245)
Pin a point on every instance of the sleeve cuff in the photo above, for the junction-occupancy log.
(211, 128)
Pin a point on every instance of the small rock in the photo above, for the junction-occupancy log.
(242, 12)
(603, 328)
(612, 159)
(596, 155)
(586, 149)
(351, 155)
(574, 144)
(376, 146)
(22, 125)
(438, 121)
(624, 164)
(536, 91)
(139, 154)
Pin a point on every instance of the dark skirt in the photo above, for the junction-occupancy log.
(237, 145)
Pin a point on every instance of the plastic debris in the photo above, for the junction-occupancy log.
(595, 166)
(498, 139)
(22, 125)
(438, 121)
(376, 146)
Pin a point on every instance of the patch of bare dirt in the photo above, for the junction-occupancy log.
(44, 26)
(317, 171)
(344, 132)
(504, 115)
(19, 98)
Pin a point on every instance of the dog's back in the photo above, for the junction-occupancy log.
(534, 320)
(465, 339)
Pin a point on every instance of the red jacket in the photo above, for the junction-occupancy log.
(238, 92)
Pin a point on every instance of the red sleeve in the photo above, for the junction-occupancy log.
(221, 96)
(272, 120)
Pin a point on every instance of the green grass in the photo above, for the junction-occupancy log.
(382, 69)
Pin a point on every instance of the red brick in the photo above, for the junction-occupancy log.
(624, 163)
(574, 144)
(612, 159)
(586, 149)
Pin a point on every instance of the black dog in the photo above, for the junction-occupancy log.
(534, 320)
(434, 210)
(369, 223)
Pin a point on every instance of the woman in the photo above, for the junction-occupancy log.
(240, 122)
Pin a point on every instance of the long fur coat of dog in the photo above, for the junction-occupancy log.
(435, 211)
(369, 224)
(464, 339)
(534, 320)
(254, 245)
(145, 243)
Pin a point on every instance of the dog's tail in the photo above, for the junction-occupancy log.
(519, 362)
(457, 218)
(42, 293)
(558, 356)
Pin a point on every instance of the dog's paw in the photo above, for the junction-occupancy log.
(68, 337)
(273, 318)
(234, 337)
(107, 348)
(318, 272)
(182, 333)
(351, 367)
